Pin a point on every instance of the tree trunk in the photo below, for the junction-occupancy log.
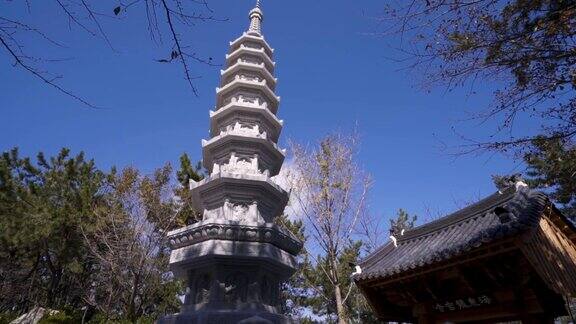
(339, 304)
(342, 319)
(132, 303)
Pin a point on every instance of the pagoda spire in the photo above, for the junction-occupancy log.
(256, 18)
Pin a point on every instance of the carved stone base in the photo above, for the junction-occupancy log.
(224, 317)
(230, 281)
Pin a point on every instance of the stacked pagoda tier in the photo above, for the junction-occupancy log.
(235, 259)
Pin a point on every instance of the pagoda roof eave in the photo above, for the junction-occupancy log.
(252, 107)
(245, 35)
(271, 97)
(250, 66)
(222, 140)
(248, 50)
(245, 180)
(255, 109)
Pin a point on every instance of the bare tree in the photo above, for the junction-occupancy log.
(129, 248)
(166, 20)
(330, 191)
(373, 232)
(525, 49)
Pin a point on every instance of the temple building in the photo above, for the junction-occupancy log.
(510, 256)
(235, 259)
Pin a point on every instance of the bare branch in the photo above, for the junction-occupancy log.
(179, 48)
(526, 48)
(41, 77)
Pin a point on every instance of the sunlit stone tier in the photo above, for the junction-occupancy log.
(246, 147)
(246, 113)
(248, 90)
(246, 198)
(227, 251)
(251, 54)
(234, 273)
(251, 40)
(240, 67)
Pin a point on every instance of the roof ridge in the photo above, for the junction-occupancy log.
(460, 215)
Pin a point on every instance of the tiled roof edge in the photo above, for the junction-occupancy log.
(527, 205)
(479, 207)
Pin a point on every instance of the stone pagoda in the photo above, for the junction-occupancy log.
(235, 259)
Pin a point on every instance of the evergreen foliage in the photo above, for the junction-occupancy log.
(294, 291)
(92, 244)
(305, 292)
(356, 308)
(188, 172)
(187, 213)
(401, 223)
(76, 238)
(552, 166)
(42, 206)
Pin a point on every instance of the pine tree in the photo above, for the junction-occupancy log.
(188, 172)
(42, 207)
(73, 237)
(401, 223)
(552, 166)
(294, 291)
(187, 213)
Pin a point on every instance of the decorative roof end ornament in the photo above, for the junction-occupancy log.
(502, 183)
(357, 269)
(394, 240)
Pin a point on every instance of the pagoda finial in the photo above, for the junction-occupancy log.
(256, 18)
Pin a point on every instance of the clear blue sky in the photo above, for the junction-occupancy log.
(331, 73)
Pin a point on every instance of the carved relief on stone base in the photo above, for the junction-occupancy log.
(203, 288)
(267, 291)
(237, 212)
(199, 288)
(232, 286)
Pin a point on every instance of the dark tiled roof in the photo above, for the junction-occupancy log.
(456, 233)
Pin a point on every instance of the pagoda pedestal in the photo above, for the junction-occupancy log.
(233, 271)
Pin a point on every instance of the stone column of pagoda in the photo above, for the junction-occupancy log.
(235, 259)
